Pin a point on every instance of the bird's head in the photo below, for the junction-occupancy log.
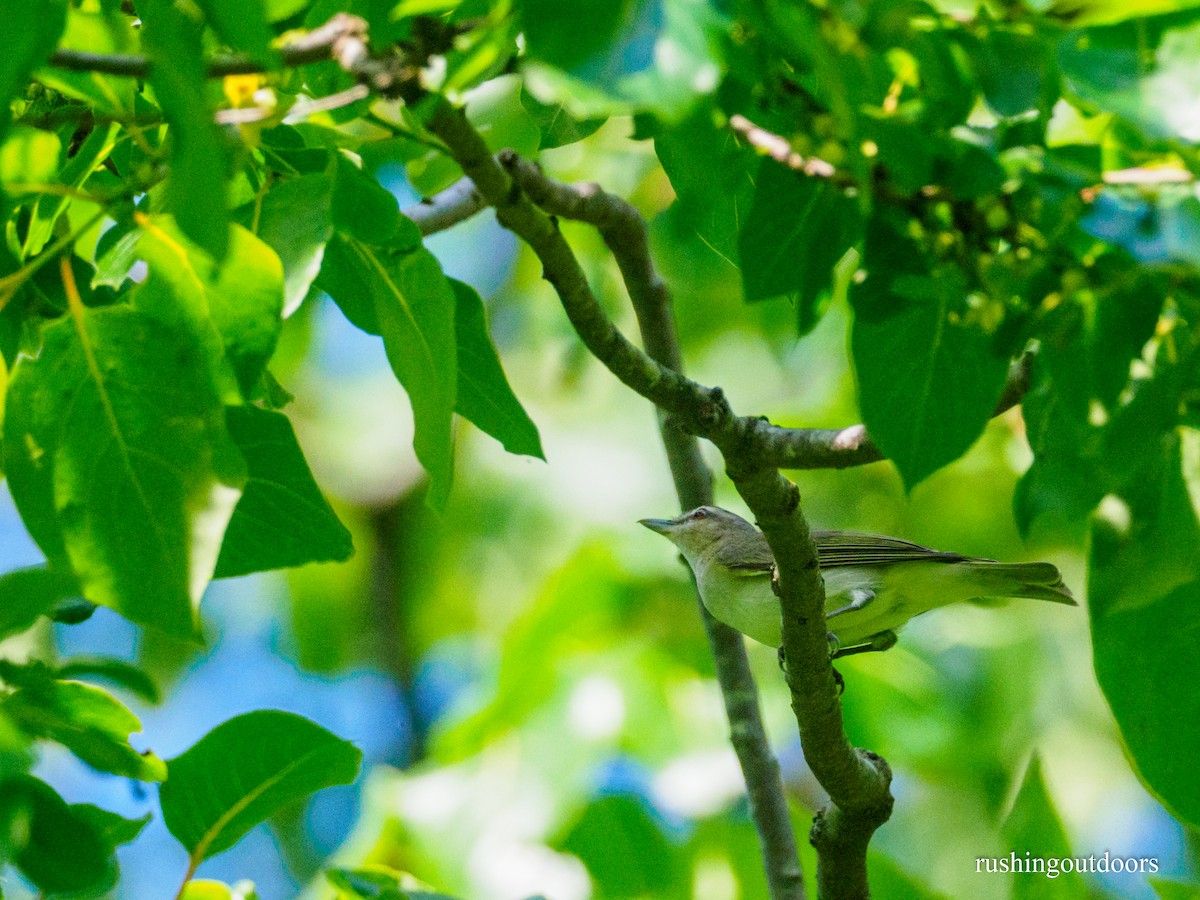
(699, 530)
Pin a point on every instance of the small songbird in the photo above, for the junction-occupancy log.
(873, 584)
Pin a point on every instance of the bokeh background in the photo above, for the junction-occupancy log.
(526, 672)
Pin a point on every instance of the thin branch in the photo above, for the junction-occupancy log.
(447, 208)
(342, 38)
(674, 393)
(781, 151)
(857, 781)
(624, 232)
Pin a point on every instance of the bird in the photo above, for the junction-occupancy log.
(873, 584)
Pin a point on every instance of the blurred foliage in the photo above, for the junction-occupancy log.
(225, 351)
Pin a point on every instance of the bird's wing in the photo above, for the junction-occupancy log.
(849, 548)
(750, 555)
(835, 549)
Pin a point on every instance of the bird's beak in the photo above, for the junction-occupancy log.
(662, 526)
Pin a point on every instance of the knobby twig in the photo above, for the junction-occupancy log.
(857, 782)
(624, 232)
(620, 225)
(515, 211)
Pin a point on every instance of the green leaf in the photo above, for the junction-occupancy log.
(207, 889)
(243, 771)
(484, 395)
(625, 850)
(58, 847)
(242, 24)
(119, 462)
(87, 720)
(32, 30)
(797, 230)
(362, 209)
(1144, 592)
(242, 297)
(889, 880)
(557, 126)
(1166, 889)
(115, 829)
(29, 155)
(76, 169)
(928, 382)
(1033, 825)
(1082, 13)
(196, 190)
(282, 519)
(657, 55)
(404, 297)
(378, 883)
(296, 221)
(714, 177)
(552, 31)
(115, 671)
(26, 594)
(1137, 69)
(1016, 71)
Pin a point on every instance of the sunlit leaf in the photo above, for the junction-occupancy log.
(88, 721)
(111, 670)
(171, 34)
(207, 889)
(405, 297)
(29, 155)
(243, 771)
(33, 30)
(296, 221)
(118, 459)
(242, 297)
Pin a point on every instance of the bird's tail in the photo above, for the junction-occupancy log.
(1035, 581)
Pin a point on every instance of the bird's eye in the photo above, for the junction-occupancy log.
(699, 514)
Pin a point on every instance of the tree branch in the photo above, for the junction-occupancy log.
(624, 231)
(857, 781)
(781, 151)
(447, 208)
(693, 481)
(343, 38)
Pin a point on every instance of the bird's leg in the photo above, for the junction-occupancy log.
(876, 643)
(860, 598)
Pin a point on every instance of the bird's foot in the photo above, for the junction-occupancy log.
(876, 643)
